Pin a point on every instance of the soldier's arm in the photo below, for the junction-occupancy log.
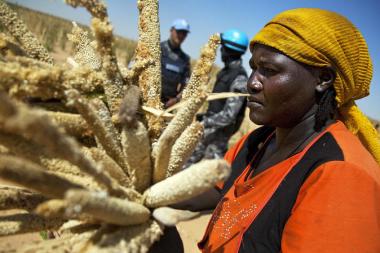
(231, 108)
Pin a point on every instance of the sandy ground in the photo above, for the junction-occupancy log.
(192, 231)
(16, 241)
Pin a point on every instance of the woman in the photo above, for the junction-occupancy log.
(303, 182)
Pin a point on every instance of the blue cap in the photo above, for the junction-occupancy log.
(235, 39)
(181, 24)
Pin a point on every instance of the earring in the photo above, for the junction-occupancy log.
(320, 88)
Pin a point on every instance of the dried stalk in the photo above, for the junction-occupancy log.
(98, 118)
(41, 130)
(111, 210)
(9, 48)
(74, 124)
(18, 29)
(187, 184)
(32, 176)
(27, 62)
(30, 81)
(131, 239)
(105, 116)
(132, 75)
(170, 216)
(136, 147)
(148, 47)
(113, 87)
(20, 147)
(16, 198)
(60, 166)
(54, 208)
(104, 38)
(184, 147)
(25, 222)
(57, 208)
(74, 227)
(97, 8)
(46, 83)
(199, 77)
(182, 119)
(85, 54)
(109, 165)
(82, 180)
(130, 106)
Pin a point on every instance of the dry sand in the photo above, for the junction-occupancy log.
(192, 231)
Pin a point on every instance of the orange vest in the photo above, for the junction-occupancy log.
(244, 201)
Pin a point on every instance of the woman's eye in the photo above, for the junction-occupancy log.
(267, 71)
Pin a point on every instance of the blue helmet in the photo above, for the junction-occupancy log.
(181, 24)
(235, 39)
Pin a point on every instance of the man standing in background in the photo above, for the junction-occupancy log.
(175, 64)
(224, 116)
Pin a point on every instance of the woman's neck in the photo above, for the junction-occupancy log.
(288, 141)
(287, 136)
(300, 132)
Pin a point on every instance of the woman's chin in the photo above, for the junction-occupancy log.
(255, 118)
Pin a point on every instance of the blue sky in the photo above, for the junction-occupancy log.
(210, 16)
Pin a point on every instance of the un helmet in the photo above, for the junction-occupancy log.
(181, 24)
(235, 39)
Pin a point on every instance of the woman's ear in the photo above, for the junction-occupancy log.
(326, 78)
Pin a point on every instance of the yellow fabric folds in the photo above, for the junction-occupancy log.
(322, 38)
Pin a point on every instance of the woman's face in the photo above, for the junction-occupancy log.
(282, 91)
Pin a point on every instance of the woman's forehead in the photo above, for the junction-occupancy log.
(264, 48)
(264, 53)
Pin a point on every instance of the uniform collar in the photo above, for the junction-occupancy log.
(233, 63)
(171, 46)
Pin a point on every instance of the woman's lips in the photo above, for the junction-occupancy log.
(253, 102)
(254, 105)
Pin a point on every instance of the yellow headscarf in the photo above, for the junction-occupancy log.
(323, 38)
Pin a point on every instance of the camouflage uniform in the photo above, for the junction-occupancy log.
(220, 126)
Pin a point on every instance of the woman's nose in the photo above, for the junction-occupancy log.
(253, 84)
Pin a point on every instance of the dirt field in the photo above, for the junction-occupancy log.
(192, 231)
